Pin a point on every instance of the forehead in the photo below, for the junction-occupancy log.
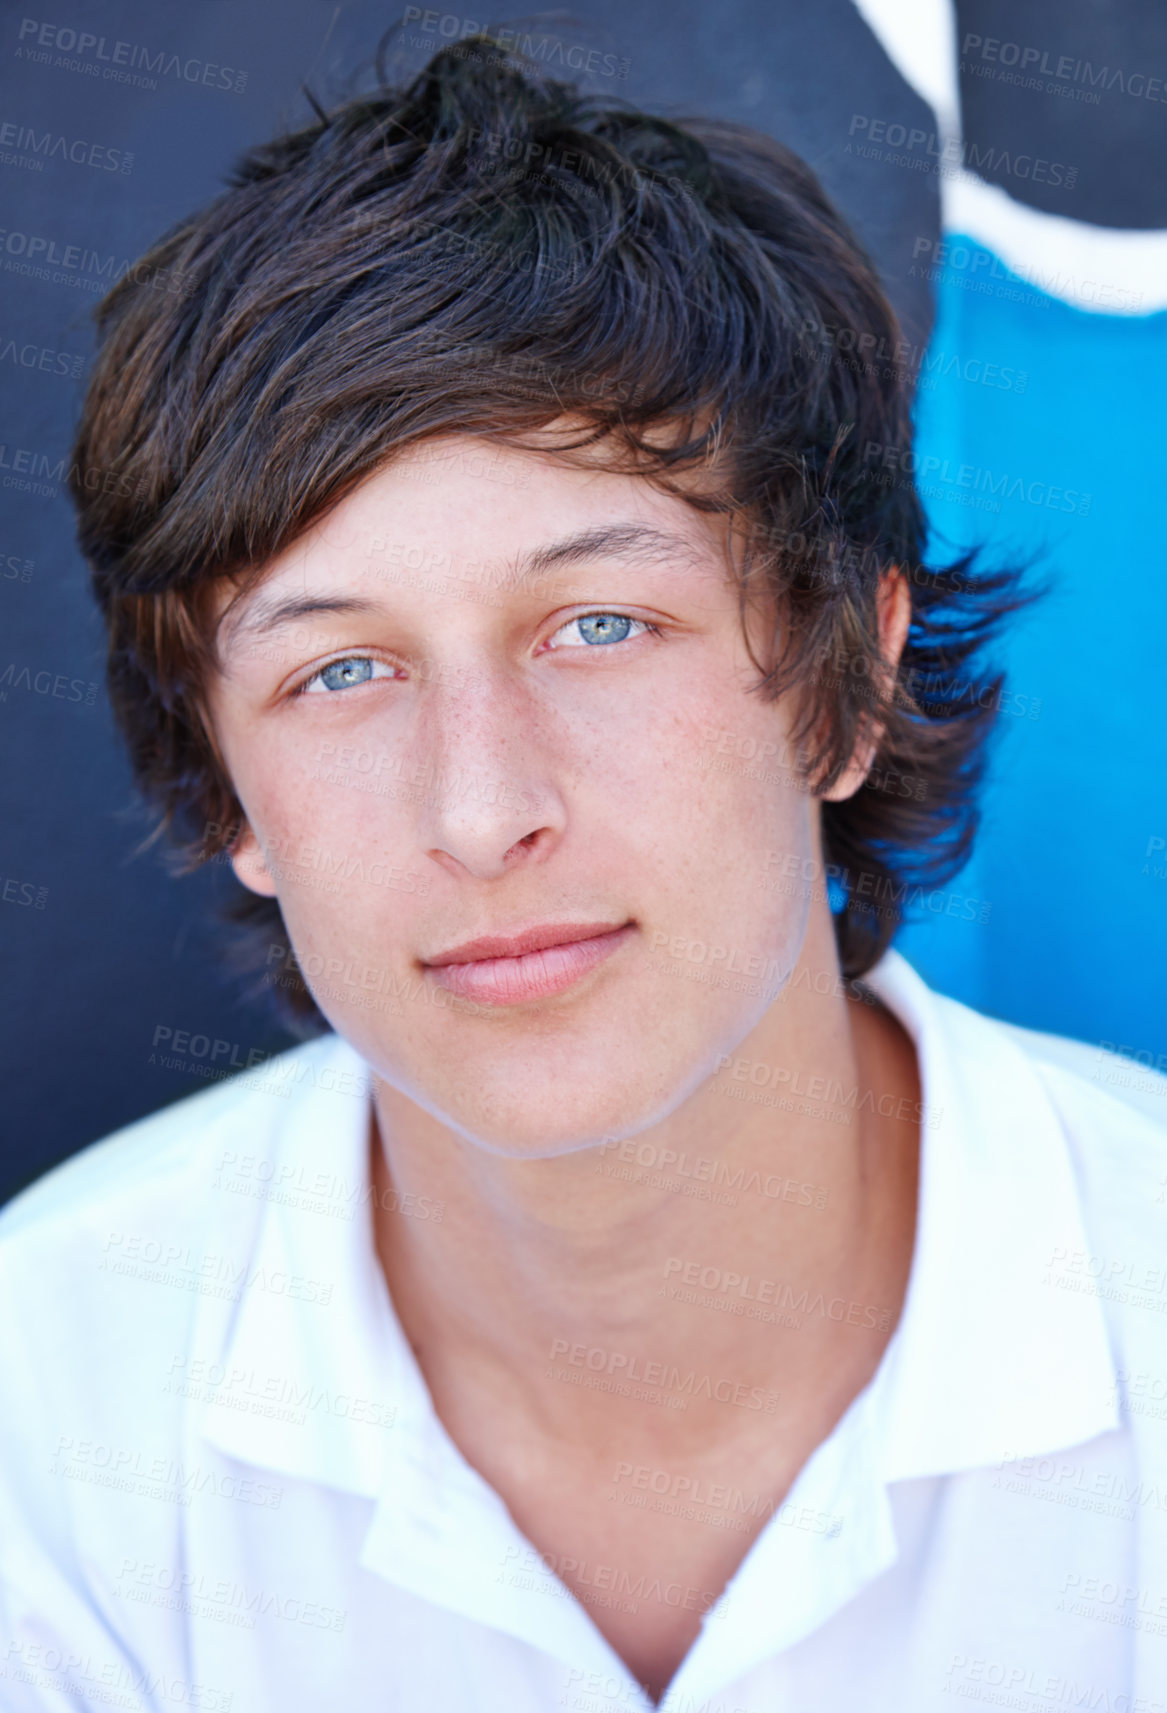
(464, 502)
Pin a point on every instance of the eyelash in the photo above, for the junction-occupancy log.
(649, 629)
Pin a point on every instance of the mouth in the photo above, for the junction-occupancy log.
(517, 968)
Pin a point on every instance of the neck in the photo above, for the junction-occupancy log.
(761, 1245)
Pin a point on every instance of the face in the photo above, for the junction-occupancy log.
(494, 697)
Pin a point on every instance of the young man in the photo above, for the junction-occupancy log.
(620, 1302)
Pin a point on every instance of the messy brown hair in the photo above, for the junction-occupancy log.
(484, 251)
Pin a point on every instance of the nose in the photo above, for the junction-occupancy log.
(490, 797)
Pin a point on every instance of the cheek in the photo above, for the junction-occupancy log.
(338, 849)
(718, 788)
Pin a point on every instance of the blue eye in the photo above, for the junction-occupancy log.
(600, 628)
(604, 627)
(343, 674)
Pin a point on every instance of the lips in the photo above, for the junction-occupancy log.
(514, 945)
(512, 969)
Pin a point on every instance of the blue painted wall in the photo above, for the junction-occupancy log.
(1072, 856)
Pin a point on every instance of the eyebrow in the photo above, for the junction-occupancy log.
(610, 541)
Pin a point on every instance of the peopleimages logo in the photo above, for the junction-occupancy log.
(1033, 63)
(686, 1382)
(926, 151)
(118, 61)
(784, 1296)
(62, 263)
(551, 50)
(23, 145)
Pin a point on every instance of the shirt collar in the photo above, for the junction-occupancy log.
(309, 1369)
(988, 1360)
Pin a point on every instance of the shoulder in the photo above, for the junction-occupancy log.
(1104, 1101)
(132, 1258)
(153, 1161)
(1111, 1114)
(1115, 1088)
(122, 1244)
(1110, 1108)
(1106, 1115)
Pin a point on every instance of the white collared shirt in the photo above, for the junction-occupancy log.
(223, 1485)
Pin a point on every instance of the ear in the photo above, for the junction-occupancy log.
(250, 864)
(894, 610)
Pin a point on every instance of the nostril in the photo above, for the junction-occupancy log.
(526, 842)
